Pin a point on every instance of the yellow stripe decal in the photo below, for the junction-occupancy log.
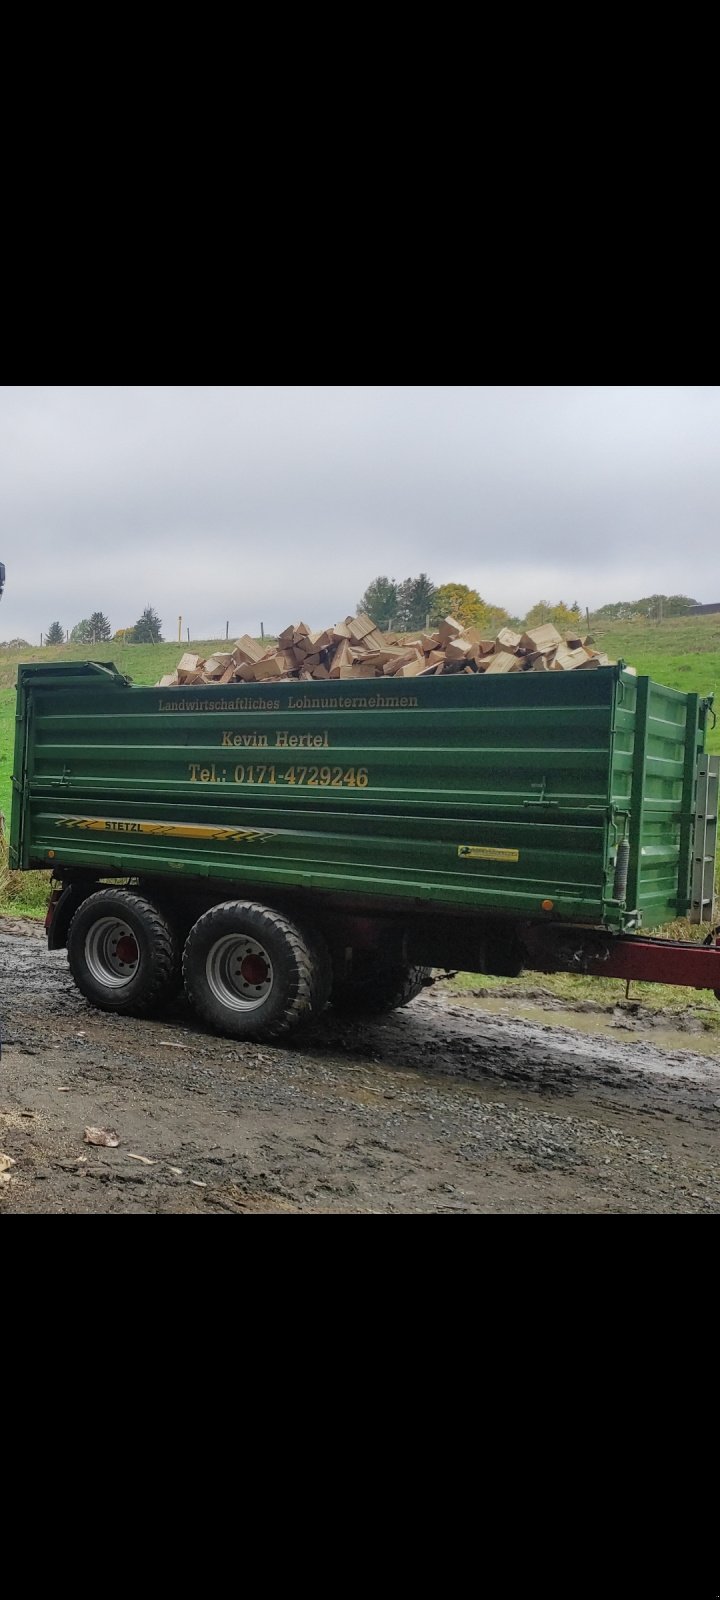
(167, 830)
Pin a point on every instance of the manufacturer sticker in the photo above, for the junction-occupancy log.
(482, 852)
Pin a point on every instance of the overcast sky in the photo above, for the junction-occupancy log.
(252, 503)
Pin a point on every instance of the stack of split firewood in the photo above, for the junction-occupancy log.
(355, 648)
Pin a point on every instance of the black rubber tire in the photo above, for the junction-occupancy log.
(159, 967)
(322, 978)
(295, 988)
(378, 987)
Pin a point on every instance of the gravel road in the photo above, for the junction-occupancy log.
(448, 1106)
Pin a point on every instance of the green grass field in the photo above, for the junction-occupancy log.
(144, 663)
(26, 893)
(682, 653)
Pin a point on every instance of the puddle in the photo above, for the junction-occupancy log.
(600, 1024)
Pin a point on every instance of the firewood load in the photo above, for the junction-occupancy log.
(355, 648)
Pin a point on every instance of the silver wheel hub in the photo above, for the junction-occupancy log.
(111, 952)
(239, 972)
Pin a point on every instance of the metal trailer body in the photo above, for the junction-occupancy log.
(477, 820)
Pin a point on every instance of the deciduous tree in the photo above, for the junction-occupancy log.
(467, 606)
(564, 617)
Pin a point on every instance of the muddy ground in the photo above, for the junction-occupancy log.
(456, 1105)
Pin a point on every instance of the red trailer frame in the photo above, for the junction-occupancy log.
(629, 956)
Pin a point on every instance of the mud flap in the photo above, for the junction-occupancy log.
(61, 910)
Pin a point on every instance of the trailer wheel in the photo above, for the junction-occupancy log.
(123, 953)
(379, 986)
(249, 971)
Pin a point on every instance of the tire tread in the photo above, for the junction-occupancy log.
(297, 1006)
(164, 969)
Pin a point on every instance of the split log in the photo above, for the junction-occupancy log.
(502, 662)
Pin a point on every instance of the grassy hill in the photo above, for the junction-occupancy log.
(683, 653)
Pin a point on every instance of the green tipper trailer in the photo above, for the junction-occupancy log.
(276, 843)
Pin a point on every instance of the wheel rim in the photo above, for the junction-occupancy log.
(111, 952)
(239, 972)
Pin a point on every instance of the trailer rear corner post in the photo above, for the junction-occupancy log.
(702, 885)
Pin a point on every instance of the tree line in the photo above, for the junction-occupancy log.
(96, 629)
(417, 603)
(411, 604)
(653, 606)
